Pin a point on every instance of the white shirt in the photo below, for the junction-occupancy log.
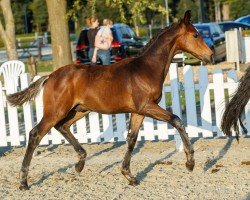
(104, 31)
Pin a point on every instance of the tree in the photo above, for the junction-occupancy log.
(192, 5)
(18, 14)
(61, 49)
(7, 30)
(40, 14)
(133, 11)
(237, 8)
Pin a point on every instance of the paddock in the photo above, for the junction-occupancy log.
(221, 172)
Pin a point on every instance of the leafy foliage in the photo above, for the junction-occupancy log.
(18, 16)
(188, 5)
(239, 8)
(40, 14)
(132, 10)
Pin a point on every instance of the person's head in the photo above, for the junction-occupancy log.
(107, 22)
(92, 22)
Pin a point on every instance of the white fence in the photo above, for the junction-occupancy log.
(237, 47)
(202, 110)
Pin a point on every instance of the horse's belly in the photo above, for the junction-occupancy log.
(108, 104)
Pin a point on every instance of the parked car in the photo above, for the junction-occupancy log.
(244, 19)
(227, 26)
(125, 44)
(214, 38)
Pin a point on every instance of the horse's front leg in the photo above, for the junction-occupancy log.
(155, 111)
(135, 124)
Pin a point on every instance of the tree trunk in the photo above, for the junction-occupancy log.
(59, 33)
(225, 12)
(7, 33)
(136, 27)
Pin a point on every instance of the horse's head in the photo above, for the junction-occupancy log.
(191, 41)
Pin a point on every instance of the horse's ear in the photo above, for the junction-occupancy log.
(187, 17)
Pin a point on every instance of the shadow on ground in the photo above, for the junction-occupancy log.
(210, 163)
(64, 169)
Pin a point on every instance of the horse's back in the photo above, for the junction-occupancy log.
(98, 88)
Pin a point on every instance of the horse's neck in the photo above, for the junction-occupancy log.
(160, 54)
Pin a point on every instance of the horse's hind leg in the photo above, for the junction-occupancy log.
(155, 111)
(64, 128)
(135, 124)
(35, 136)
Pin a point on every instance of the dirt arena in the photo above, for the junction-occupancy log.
(222, 171)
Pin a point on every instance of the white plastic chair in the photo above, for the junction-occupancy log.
(11, 71)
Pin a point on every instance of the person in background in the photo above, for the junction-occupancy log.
(103, 42)
(93, 24)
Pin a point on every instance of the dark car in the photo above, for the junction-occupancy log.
(125, 44)
(214, 38)
(244, 19)
(227, 26)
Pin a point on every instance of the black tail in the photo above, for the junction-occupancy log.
(19, 98)
(236, 106)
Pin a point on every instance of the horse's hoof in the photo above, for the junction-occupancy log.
(24, 186)
(190, 165)
(133, 182)
(79, 166)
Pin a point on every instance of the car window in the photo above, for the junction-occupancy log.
(245, 20)
(217, 29)
(131, 32)
(125, 33)
(204, 31)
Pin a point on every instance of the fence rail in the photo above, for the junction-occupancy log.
(202, 111)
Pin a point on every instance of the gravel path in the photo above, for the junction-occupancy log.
(222, 172)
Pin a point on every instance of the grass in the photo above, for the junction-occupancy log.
(197, 97)
(182, 98)
(44, 66)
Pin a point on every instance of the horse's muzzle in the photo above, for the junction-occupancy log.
(208, 59)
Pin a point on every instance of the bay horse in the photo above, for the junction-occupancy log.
(235, 107)
(133, 85)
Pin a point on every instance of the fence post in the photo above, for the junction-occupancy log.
(12, 114)
(206, 117)
(247, 113)
(190, 101)
(121, 127)
(150, 31)
(73, 51)
(3, 133)
(56, 137)
(39, 112)
(39, 48)
(148, 132)
(107, 128)
(81, 130)
(162, 126)
(27, 109)
(219, 98)
(236, 35)
(176, 105)
(94, 127)
(232, 80)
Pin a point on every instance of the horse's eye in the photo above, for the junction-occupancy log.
(196, 35)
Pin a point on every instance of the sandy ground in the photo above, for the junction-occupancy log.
(222, 172)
